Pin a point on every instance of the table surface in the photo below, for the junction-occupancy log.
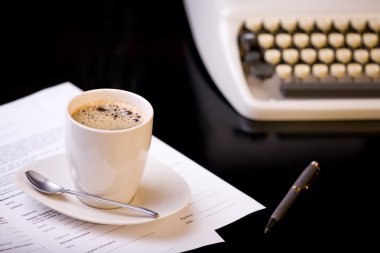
(150, 51)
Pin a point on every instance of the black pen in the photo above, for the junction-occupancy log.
(302, 183)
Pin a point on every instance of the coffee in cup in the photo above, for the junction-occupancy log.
(108, 115)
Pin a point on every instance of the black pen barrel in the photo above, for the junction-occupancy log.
(285, 204)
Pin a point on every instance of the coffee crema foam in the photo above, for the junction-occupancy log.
(107, 115)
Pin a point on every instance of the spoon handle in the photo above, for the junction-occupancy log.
(115, 203)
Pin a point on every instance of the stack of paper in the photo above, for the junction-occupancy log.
(31, 129)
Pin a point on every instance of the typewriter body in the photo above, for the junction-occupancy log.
(276, 60)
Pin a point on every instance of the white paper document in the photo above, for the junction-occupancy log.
(31, 129)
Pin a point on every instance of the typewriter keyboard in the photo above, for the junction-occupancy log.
(316, 57)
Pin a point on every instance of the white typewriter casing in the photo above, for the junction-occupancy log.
(215, 25)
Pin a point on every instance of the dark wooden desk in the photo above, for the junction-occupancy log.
(150, 51)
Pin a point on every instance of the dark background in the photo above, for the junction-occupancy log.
(146, 47)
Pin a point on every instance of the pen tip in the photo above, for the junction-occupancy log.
(269, 225)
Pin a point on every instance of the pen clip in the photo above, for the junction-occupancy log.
(307, 177)
(316, 173)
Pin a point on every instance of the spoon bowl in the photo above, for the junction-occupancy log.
(44, 185)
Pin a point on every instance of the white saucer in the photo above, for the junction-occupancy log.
(161, 190)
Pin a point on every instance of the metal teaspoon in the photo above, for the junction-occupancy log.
(47, 186)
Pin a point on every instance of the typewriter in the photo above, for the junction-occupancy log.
(293, 60)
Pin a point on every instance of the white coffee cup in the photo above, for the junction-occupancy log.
(108, 163)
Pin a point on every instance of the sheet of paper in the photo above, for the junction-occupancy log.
(32, 130)
(13, 239)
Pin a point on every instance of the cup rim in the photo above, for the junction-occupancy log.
(148, 113)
